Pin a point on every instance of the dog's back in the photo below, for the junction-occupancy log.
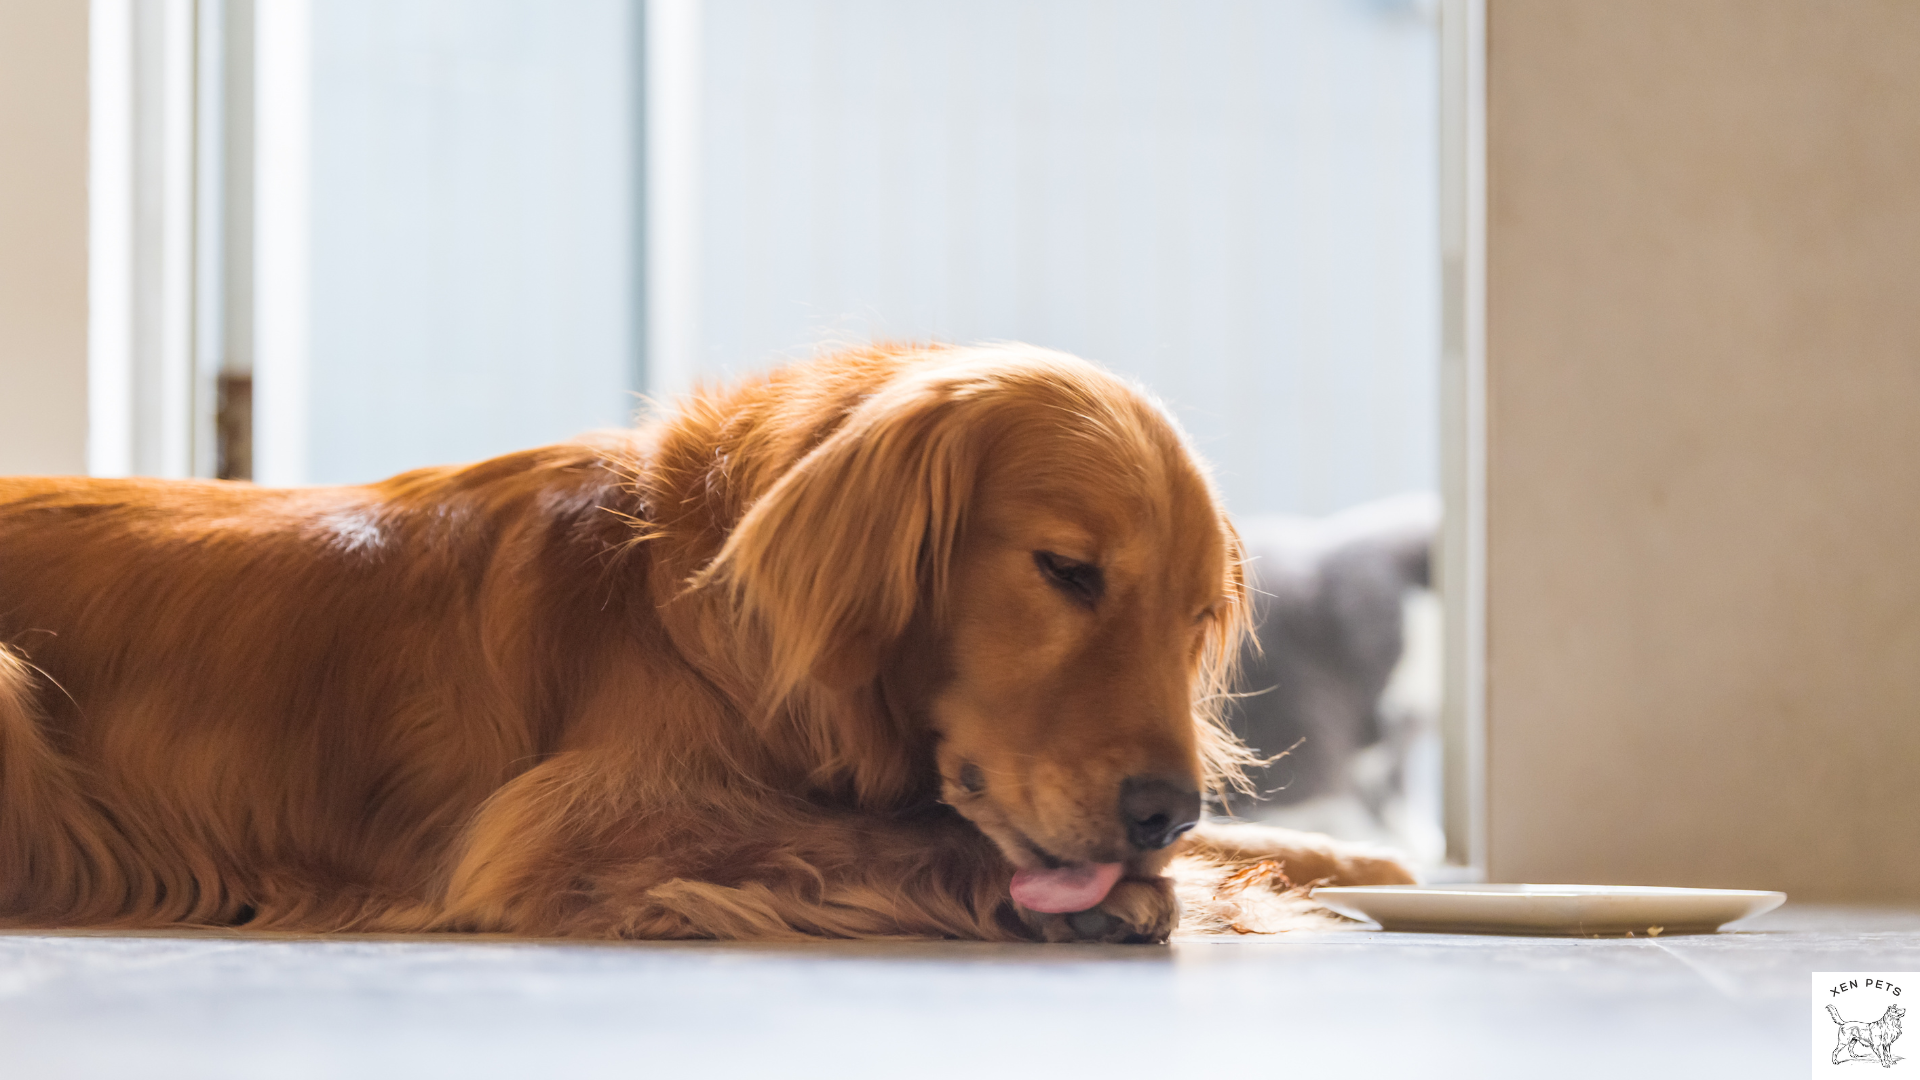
(201, 677)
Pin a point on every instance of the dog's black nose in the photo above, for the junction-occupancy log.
(1156, 811)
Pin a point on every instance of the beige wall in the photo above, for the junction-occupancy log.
(43, 236)
(1704, 443)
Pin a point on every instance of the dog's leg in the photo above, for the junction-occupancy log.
(1253, 878)
(1228, 877)
(829, 876)
(574, 848)
(565, 851)
(1305, 857)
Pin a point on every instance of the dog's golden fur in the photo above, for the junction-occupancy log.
(719, 677)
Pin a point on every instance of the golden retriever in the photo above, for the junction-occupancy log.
(897, 642)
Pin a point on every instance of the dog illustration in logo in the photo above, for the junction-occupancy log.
(1860, 1040)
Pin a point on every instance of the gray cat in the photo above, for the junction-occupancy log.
(1328, 607)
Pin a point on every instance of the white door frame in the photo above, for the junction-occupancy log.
(1462, 566)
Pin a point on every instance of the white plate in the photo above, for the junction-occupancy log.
(1589, 910)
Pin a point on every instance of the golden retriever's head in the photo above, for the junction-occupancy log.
(1023, 552)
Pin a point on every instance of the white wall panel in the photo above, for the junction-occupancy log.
(472, 246)
(1233, 200)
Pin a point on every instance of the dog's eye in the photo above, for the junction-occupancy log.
(972, 779)
(1082, 581)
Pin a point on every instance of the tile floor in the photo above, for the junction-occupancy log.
(1326, 1005)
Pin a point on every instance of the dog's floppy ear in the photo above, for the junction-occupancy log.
(835, 557)
(1224, 758)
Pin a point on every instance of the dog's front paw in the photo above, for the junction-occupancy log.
(1307, 858)
(1137, 911)
(1362, 865)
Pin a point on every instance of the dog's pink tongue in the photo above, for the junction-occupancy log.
(1070, 888)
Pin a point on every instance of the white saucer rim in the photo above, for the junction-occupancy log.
(1546, 909)
(1523, 890)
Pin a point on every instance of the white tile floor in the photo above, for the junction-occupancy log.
(1326, 1005)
